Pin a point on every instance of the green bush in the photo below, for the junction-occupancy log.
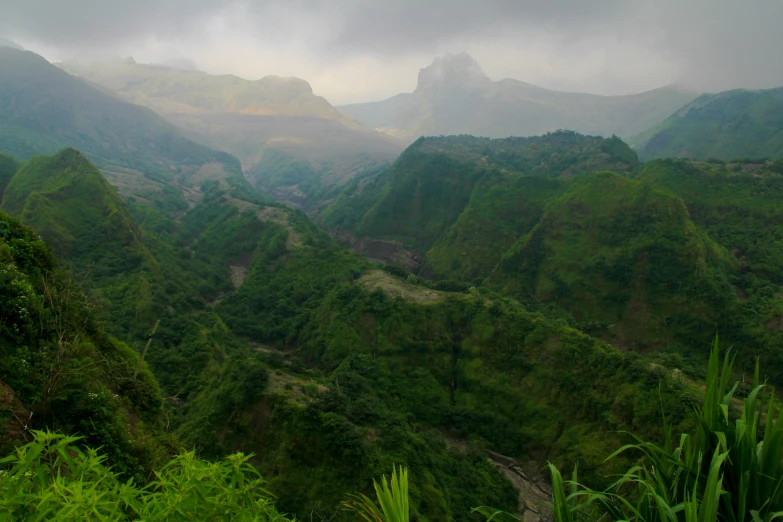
(52, 479)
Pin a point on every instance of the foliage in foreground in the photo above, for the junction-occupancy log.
(730, 470)
(51, 479)
(392, 504)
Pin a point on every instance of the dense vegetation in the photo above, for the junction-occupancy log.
(655, 257)
(727, 126)
(573, 292)
(436, 180)
(328, 380)
(52, 479)
(731, 468)
(58, 367)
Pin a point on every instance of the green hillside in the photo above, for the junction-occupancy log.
(664, 262)
(8, 167)
(59, 369)
(432, 182)
(76, 211)
(624, 258)
(274, 340)
(361, 378)
(729, 125)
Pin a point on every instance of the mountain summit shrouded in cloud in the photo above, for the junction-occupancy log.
(454, 96)
(360, 51)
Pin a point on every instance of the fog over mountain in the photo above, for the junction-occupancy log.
(354, 51)
(454, 96)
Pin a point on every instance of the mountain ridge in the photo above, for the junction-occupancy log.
(291, 143)
(730, 125)
(454, 96)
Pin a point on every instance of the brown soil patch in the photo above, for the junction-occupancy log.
(398, 288)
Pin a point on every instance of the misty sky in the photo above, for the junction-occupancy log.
(352, 50)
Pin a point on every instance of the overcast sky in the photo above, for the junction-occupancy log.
(363, 50)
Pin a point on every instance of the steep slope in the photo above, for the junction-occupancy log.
(59, 370)
(738, 205)
(626, 258)
(291, 142)
(726, 126)
(76, 211)
(454, 96)
(43, 109)
(441, 190)
(627, 261)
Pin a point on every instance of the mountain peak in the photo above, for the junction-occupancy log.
(453, 69)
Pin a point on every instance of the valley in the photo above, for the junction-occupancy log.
(210, 278)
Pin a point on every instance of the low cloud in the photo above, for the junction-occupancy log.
(357, 50)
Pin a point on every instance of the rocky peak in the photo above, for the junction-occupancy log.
(452, 70)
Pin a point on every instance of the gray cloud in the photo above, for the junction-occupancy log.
(360, 49)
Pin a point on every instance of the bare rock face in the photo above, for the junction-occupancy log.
(381, 251)
(452, 70)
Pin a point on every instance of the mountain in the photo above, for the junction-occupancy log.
(44, 109)
(625, 257)
(275, 340)
(727, 126)
(424, 200)
(8, 43)
(76, 211)
(291, 142)
(454, 96)
(648, 257)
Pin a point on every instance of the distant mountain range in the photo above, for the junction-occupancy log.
(454, 96)
(44, 109)
(728, 125)
(277, 127)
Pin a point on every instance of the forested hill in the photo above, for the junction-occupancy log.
(637, 257)
(435, 181)
(726, 126)
(274, 340)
